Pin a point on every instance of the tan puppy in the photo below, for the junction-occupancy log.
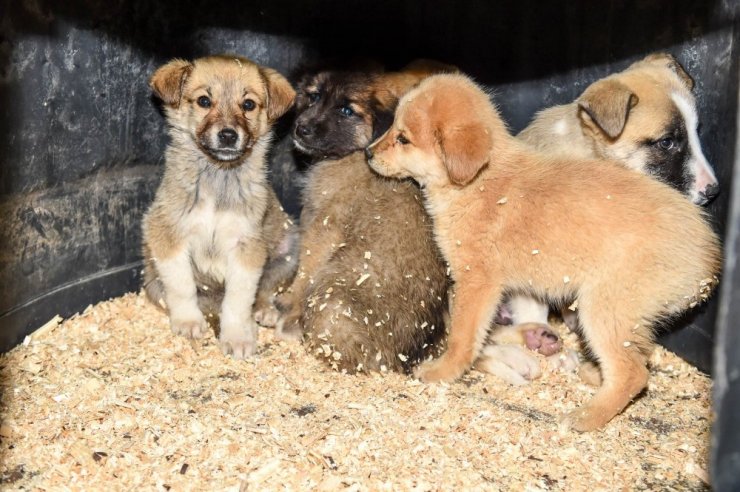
(215, 221)
(644, 117)
(633, 250)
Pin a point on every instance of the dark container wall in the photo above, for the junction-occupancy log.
(81, 140)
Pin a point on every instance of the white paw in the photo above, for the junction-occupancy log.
(189, 328)
(238, 340)
(514, 364)
(566, 360)
(238, 348)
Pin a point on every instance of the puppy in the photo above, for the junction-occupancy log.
(371, 285)
(632, 252)
(644, 117)
(215, 221)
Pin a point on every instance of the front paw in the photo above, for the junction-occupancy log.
(238, 348)
(438, 370)
(512, 363)
(567, 360)
(189, 328)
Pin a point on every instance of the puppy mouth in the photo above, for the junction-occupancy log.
(305, 148)
(226, 155)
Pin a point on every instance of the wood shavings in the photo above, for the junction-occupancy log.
(140, 408)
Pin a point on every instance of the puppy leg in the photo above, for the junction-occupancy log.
(181, 295)
(621, 352)
(238, 335)
(473, 308)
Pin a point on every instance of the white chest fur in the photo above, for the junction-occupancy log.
(212, 235)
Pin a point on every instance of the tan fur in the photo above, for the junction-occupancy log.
(636, 251)
(215, 221)
(612, 119)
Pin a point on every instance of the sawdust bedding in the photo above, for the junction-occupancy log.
(111, 399)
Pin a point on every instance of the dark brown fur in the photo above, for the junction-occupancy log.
(370, 291)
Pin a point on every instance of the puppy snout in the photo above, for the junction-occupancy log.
(368, 153)
(710, 192)
(302, 131)
(227, 137)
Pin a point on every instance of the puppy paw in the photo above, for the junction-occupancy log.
(585, 419)
(267, 316)
(541, 338)
(514, 364)
(566, 361)
(238, 348)
(289, 328)
(189, 328)
(438, 370)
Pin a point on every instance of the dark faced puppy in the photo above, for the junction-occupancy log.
(370, 290)
(339, 113)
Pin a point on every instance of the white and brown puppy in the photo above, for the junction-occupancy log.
(644, 117)
(215, 221)
(633, 250)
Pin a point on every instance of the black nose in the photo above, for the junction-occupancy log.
(368, 153)
(302, 131)
(227, 137)
(711, 192)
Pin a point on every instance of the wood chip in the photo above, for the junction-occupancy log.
(136, 404)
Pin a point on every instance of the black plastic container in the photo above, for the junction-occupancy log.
(81, 141)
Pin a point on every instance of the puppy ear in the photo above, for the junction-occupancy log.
(606, 104)
(465, 150)
(280, 94)
(670, 61)
(390, 87)
(169, 80)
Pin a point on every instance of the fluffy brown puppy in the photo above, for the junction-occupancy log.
(215, 221)
(371, 285)
(633, 250)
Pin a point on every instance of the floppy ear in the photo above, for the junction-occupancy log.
(670, 61)
(280, 94)
(465, 150)
(390, 87)
(606, 104)
(169, 80)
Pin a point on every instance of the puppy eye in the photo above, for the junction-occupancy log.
(666, 143)
(248, 105)
(402, 140)
(346, 111)
(313, 97)
(204, 102)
